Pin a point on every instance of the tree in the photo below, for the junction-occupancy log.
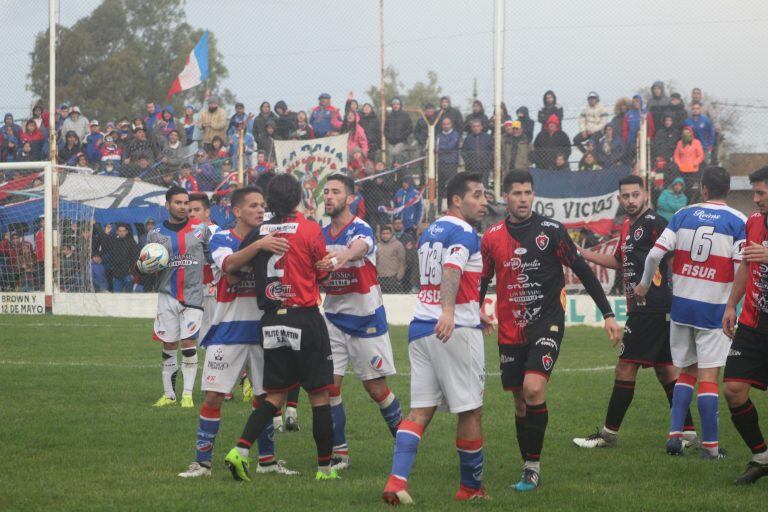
(415, 97)
(125, 53)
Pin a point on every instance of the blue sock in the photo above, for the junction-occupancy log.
(339, 424)
(266, 443)
(206, 434)
(708, 410)
(389, 406)
(406, 445)
(470, 462)
(681, 402)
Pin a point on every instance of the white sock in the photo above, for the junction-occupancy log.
(242, 451)
(170, 367)
(608, 431)
(189, 369)
(761, 458)
(290, 412)
(536, 466)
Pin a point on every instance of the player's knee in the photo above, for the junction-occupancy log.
(735, 393)
(534, 392)
(626, 371)
(213, 399)
(171, 346)
(376, 388)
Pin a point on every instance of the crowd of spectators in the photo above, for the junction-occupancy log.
(198, 150)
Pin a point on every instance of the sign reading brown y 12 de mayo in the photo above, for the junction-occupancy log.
(22, 303)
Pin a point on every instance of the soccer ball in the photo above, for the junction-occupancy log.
(152, 258)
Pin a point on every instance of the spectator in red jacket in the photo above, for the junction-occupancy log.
(36, 139)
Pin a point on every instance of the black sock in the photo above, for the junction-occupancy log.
(536, 417)
(257, 422)
(744, 418)
(669, 389)
(293, 397)
(520, 430)
(322, 431)
(621, 399)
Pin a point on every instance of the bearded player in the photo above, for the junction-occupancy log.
(180, 297)
(354, 312)
(646, 333)
(527, 252)
(234, 339)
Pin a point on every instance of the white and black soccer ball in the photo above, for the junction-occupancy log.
(152, 258)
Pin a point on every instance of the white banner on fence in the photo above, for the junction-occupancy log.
(606, 276)
(22, 303)
(311, 162)
(597, 211)
(109, 191)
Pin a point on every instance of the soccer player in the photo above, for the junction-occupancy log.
(706, 239)
(297, 350)
(646, 333)
(235, 335)
(180, 297)
(354, 312)
(445, 342)
(200, 209)
(747, 363)
(526, 252)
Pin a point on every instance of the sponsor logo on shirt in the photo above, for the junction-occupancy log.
(547, 223)
(704, 216)
(505, 359)
(182, 260)
(435, 230)
(287, 227)
(520, 251)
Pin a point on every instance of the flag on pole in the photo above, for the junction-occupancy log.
(196, 69)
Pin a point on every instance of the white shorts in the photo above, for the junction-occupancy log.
(448, 375)
(706, 347)
(209, 307)
(371, 358)
(224, 362)
(174, 321)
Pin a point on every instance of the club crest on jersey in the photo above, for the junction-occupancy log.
(547, 361)
(376, 363)
(455, 250)
(638, 233)
(197, 232)
(542, 241)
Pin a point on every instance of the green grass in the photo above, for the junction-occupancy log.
(78, 433)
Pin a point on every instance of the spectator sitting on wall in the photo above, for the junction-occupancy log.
(477, 151)
(36, 139)
(478, 113)
(550, 108)
(672, 199)
(550, 142)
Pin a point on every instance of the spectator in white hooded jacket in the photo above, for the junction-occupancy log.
(592, 120)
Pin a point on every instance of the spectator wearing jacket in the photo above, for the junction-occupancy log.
(409, 199)
(620, 109)
(286, 121)
(632, 122)
(189, 125)
(592, 120)
(421, 132)
(504, 117)
(139, 146)
(549, 109)
(515, 149)
(550, 142)
(93, 143)
(561, 162)
(67, 153)
(446, 110)
(238, 117)
(99, 274)
(205, 173)
(478, 113)
(187, 180)
(447, 148)
(526, 122)
(304, 130)
(76, 123)
(378, 193)
(688, 154)
(172, 152)
(610, 150)
(213, 122)
(151, 117)
(707, 109)
(9, 144)
(249, 146)
(672, 199)
(372, 128)
(665, 139)
(111, 156)
(397, 129)
(658, 103)
(260, 123)
(703, 129)
(124, 251)
(589, 162)
(8, 122)
(676, 110)
(324, 117)
(391, 261)
(477, 150)
(267, 144)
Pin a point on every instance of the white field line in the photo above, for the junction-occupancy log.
(86, 364)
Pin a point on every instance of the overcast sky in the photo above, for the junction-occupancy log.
(294, 49)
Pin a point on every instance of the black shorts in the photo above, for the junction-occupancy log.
(297, 350)
(538, 356)
(748, 358)
(646, 340)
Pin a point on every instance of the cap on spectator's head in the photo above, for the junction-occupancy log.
(428, 106)
(396, 100)
(508, 122)
(213, 99)
(94, 123)
(593, 94)
(76, 109)
(515, 124)
(190, 106)
(64, 105)
(676, 95)
(324, 96)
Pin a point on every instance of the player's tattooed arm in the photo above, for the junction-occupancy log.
(449, 288)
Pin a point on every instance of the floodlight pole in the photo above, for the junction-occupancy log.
(48, 173)
(497, 90)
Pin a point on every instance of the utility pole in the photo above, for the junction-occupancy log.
(383, 116)
(497, 95)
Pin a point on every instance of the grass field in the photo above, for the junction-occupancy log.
(79, 433)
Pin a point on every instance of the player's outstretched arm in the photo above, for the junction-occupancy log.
(449, 288)
(604, 260)
(737, 293)
(243, 257)
(335, 260)
(652, 262)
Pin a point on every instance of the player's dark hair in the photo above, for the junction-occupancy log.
(238, 195)
(516, 176)
(174, 191)
(262, 181)
(202, 197)
(759, 175)
(283, 195)
(457, 184)
(717, 180)
(348, 182)
(632, 179)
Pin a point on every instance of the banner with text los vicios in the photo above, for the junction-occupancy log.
(579, 199)
(311, 162)
(606, 276)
